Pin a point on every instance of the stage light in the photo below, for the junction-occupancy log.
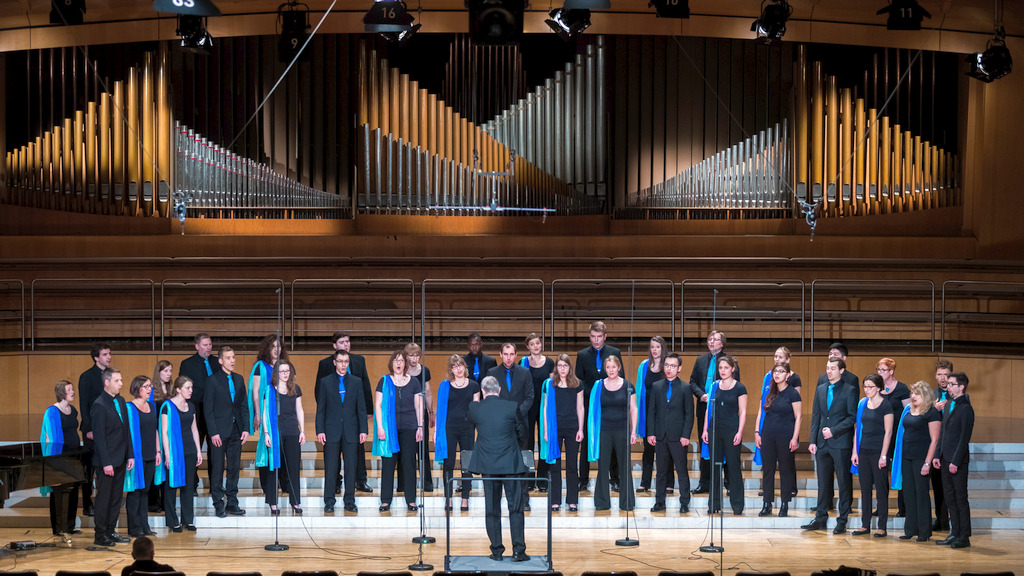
(495, 21)
(671, 8)
(587, 4)
(771, 26)
(390, 19)
(995, 62)
(904, 15)
(193, 34)
(294, 22)
(190, 7)
(568, 24)
(68, 12)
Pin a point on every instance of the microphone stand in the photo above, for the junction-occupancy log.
(277, 546)
(711, 548)
(422, 539)
(627, 541)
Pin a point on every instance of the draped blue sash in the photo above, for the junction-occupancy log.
(594, 423)
(135, 479)
(858, 431)
(441, 426)
(51, 436)
(387, 447)
(268, 456)
(896, 482)
(549, 449)
(641, 399)
(766, 387)
(175, 453)
(159, 472)
(264, 374)
(704, 452)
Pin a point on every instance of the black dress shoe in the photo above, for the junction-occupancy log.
(700, 489)
(176, 529)
(684, 509)
(737, 511)
(964, 542)
(923, 538)
(351, 508)
(948, 540)
(658, 508)
(337, 489)
(190, 527)
(839, 529)
(860, 532)
(235, 511)
(939, 527)
(907, 536)
(103, 541)
(602, 508)
(542, 489)
(669, 490)
(520, 557)
(154, 509)
(526, 508)
(766, 510)
(495, 556)
(220, 513)
(88, 511)
(329, 509)
(784, 510)
(614, 486)
(815, 524)
(362, 487)
(120, 539)
(642, 489)
(136, 534)
(881, 534)
(148, 532)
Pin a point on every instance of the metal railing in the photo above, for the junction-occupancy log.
(733, 312)
(625, 311)
(354, 307)
(12, 312)
(228, 289)
(511, 289)
(875, 285)
(101, 309)
(1014, 289)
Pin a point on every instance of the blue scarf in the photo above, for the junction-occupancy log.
(549, 448)
(387, 447)
(704, 453)
(897, 459)
(51, 436)
(641, 399)
(267, 456)
(525, 362)
(858, 431)
(441, 427)
(264, 374)
(766, 388)
(159, 472)
(135, 479)
(594, 423)
(174, 455)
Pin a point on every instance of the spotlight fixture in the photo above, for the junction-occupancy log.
(68, 12)
(193, 34)
(671, 8)
(771, 26)
(589, 4)
(568, 24)
(390, 19)
(190, 7)
(294, 23)
(995, 62)
(904, 15)
(495, 22)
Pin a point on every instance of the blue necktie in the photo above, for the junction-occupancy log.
(943, 396)
(668, 397)
(341, 387)
(828, 399)
(209, 371)
(508, 378)
(118, 408)
(597, 353)
(476, 369)
(231, 387)
(951, 406)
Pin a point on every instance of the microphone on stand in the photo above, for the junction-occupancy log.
(627, 541)
(422, 538)
(277, 546)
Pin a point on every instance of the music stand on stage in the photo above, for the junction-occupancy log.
(484, 563)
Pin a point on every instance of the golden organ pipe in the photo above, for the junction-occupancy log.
(163, 135)
(394, 87)
(818, 133)
(117, 164)
(801, 124)
(57, 169)
(907, 196)
(132, 142)
(79, 159)
(47, 175)
(859, 150)
(846, 154)
(103, 182)
(832, 141)
(364, 95)
(91, 165)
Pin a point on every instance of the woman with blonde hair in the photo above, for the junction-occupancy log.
(181, 453)
(611, 428)
(540, 367)
(916, 439)
(454, 395)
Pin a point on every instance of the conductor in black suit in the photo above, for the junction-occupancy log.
(589, 369)
(500, 430)
(342, 340)
(516, 385)
(198, 367)
(670, 422)
(226, 404)
(111, 457)
(478, 364)
(952, 458)
(832, 422)
(340, 427)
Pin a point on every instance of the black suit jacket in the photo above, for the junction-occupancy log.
(498, 430)
(340, 421)
(223, 415)
(111, 435)
(586, 364)
(195, 368)
(486, 363)
(670, 420)
(955, 434)
(522, 387)
(699, 374)
(841, 418)
(356, 367)
(90, 386)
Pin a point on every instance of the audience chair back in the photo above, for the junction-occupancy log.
(309, 573)
(82, 573)
(233, 574)
(144, 573)
(615, 573)
(677, 573)
(782, 573)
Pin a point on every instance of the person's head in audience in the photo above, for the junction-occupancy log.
(142, 548)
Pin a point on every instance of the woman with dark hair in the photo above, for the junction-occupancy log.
(540, 367)
(181, 453)
(163, 374)
(454, 396)
(561, 431)
(916, 439)
(782, 356)
(398, 416)
(778, 436)
(871, 453)
(898, 395)
(647, 374)
(142, 422)
(414, 368)
(726, 415)
(611, 428)
(263, 408)
(289, 430)
(59, 434)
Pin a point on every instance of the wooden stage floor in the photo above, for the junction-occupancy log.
(574, 551)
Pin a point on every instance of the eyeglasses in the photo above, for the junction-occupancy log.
(780, 371)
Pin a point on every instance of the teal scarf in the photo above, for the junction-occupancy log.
(549, 448)
(441, 427)
(387, 447)
(766, 387)
(897, 459)
(641, 398)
